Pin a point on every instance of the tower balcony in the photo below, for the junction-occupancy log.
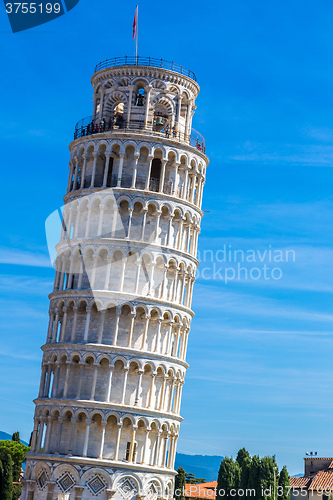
(118, 125)
(145, 61)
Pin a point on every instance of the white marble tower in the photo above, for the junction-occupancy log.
(108, 411)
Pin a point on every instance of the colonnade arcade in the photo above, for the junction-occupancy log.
(129, 165)
(111, 379)
(105, 436)
(104, 215)
(82, 321)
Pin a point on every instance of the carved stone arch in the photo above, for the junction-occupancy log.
(114, 98)
(88, 355)
(96, 480)
(158, 84)
(157, 422)
(119, 358)
(145, 145)
(102, 143)
(128, 486)
(165, 101)
(153, 489)
(112, 414)
(141, 306)
(149, 363)
(66, 477)
(124, 198)
(173, 89)
(55, 409)
(123, 81)
(129, 416)
(36, 473)
(108, 84)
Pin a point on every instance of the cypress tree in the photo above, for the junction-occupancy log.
(284, 481)
(254, 476)
(180, 484)
(241, 455)
(16, 437)
(228, 479)
(267, 465)
(245, 472)
(1, 479)
(7, 478)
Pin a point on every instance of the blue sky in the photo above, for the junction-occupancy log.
(260, 351)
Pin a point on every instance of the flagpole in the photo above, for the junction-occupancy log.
(136, 35)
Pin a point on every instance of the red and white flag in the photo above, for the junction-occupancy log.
(135, 22)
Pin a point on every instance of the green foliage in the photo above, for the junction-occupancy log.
(241, 456)
(266, 475)
(192, 479)
(16, 437)
(228, 479)
(180, 481)
(254, 475)
(246, 473)
(1, 478)
(17, 451)
(284, 481)
(7, 476)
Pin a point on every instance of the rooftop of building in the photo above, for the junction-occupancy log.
(147, 62)
(321, 478)
(201, 490)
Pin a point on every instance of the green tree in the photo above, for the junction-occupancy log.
(192, 479)
(7, 478)
(17, 451)
(228, 479)
(267, 465)
(16, 437)
(254, 476)
(284, 481)
(180, 481)
(241, 455)
(1, 478)
(245, 473)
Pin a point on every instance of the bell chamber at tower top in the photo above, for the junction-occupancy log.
(145, 96)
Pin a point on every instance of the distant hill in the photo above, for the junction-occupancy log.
(204, 466)
(4, 436)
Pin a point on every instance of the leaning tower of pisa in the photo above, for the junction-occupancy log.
(107, 414)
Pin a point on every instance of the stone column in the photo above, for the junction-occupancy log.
(145, 331)
(153, 376)
(95, 155)
(78, 391)
(116, 449)
(50, 489)
(101, 447)
(86, 438)
(147, 103)
(108, 273)
(106, 169)
(47, 434)
(129, 104)
(101, 326)
(135, 171)
(68, 367)
(42, 381)
(161, 404)
(93, 386)
(130, 457)
(40, 434)
(130, 331)
(158, 336)
(108, 396)
(60, 420)
(124, 386)
(161, 186)
(150, 159)
(75, 309)
(78, 491)
(138, 387)
(145, 447)
(115, 337)
(86, 330)
(165, 449)
(120, 168)
(83, 175)
(48, 382)
(71, 439)
(157, 449)
(63, 326)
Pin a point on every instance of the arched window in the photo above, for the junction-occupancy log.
(155, 174)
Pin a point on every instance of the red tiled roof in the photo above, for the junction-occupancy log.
(320, 480)
(202, 490)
